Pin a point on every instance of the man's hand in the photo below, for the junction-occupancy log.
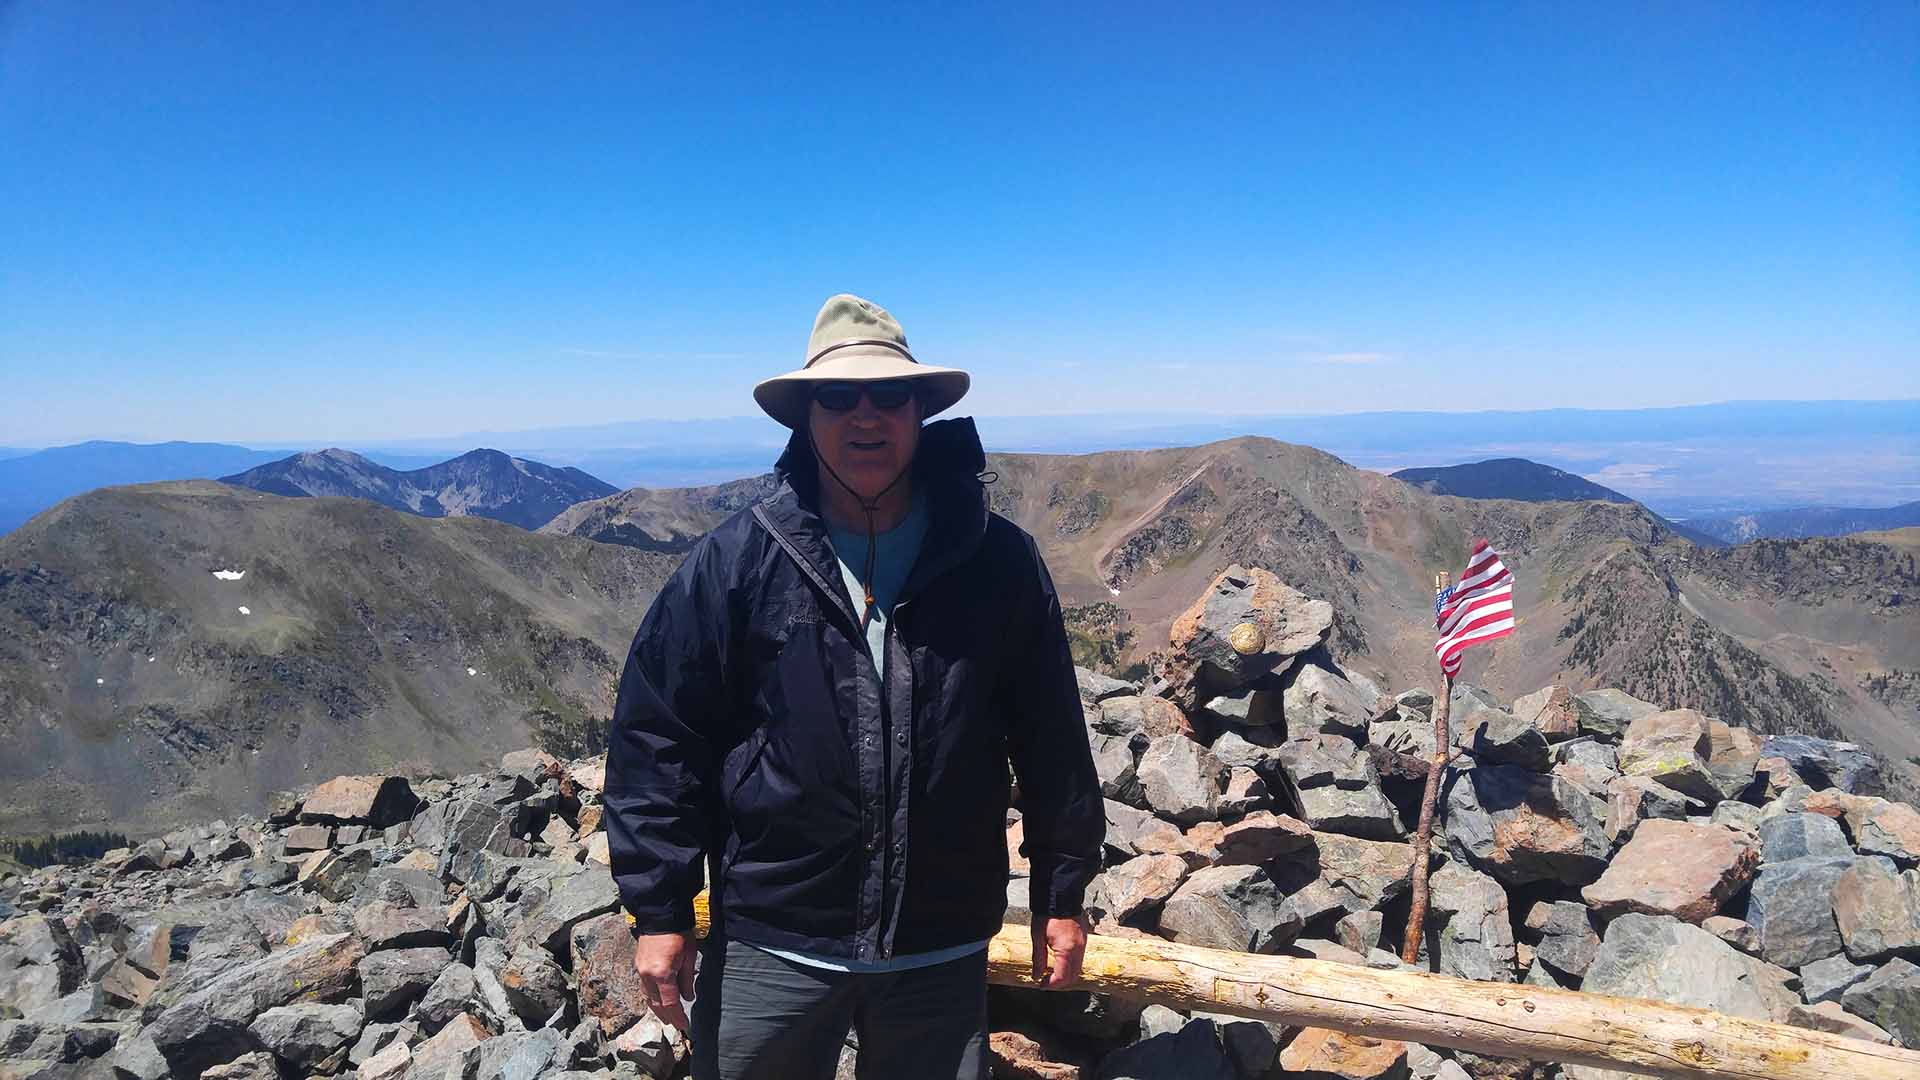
(1059, 945)
(665, 965)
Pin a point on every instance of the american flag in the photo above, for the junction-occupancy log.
(1478, 609)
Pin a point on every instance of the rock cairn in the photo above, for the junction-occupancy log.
(1258, 799)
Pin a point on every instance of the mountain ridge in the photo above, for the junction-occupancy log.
(479, 483)
(177, 649)
(1806, 522)
(1508, 478)
(34, 481)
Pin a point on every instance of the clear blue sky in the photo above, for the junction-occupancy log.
(350, 221)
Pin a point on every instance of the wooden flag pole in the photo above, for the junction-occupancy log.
(1508, 1020)
(1429, 802)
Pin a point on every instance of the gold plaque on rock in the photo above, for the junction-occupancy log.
(1246, 639)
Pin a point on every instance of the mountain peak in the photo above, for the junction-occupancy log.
(1509, 478)
(478, 483)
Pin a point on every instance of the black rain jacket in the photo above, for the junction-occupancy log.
(837, 812)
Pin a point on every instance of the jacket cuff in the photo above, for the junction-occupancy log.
(1062, 904)
(677, 919)
(1051, 891)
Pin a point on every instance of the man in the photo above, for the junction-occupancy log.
(822, 705)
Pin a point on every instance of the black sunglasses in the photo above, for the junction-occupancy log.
(844, 396)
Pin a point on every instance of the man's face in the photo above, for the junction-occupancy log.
(866, 446)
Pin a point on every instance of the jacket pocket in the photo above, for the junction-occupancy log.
(740, 762)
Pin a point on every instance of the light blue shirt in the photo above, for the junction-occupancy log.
(894, 553)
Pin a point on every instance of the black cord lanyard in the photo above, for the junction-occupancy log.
(870, 506)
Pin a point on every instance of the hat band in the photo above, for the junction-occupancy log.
(894, 345)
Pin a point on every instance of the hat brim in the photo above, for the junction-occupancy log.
(786, 397)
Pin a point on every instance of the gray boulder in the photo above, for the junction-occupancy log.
(1501, 738)
(1095, 687)
(1610, 712)
(1824, 763)
(1192, 1053)
(308, 1036)
(1248, 624)
(1568, 943)
(1135, 889)
(39, 963)
(518, 1055)
(209, 1026)
(1827, 980)
(1593, 758)
(1877, 909)
(257, 1065)
(1339, 875)
(1237, 908)
(1889, 998)
(1318, 699)
(1116, 762)
(1523, 827)
(393, 979)
(1143, 717)
(1555, 712)
(656, 1049)
(138, 1058)
(582, 893)
(1733, 758)
(1791, 909)
(1248, 748)
(1474, 940)
(1125, 825)
(1634, 799)
(1737, 815)
(452, 993)
(1182, 780)
(1671, 748)
(383, 924)
(1663, 959)
(1338, 787)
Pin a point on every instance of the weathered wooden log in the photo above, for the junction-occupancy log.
(1507, 1020)
(1498, 1019)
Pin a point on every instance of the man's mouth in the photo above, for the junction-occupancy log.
(875, 445)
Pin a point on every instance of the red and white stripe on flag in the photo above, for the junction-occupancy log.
(1478, 609)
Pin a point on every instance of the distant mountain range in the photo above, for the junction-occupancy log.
(1805, 522)
(1508, 478)
(479, 483)
(174, 652)
(1685, 462)
(38, 479)
(482, 483)
(170, 651)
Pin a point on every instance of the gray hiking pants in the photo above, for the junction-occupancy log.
(759, 1017)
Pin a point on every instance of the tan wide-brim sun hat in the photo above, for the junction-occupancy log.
(855, 340)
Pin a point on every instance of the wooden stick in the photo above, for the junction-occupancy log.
(1509, 1020)
(1423, 836)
